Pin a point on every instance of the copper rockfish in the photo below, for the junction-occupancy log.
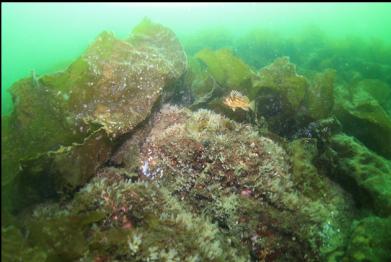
(237, 100)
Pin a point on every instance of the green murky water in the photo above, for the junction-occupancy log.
(47, 37)
(196, 132)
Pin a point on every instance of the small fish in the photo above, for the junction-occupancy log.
(237, 100)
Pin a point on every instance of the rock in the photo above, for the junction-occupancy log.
(370, 240)
(214, 187)
(114, 219)
(322, 130)
(113, 87)
(9, 162)
(287, 100)
(363, 117)
(14, 246)
(281, 77)
(279, 92)
(106, 83)
(202, 84)
(379, 90)
(227, 172)
(315, 185)
(363, 173)
(227, 69)
(212, 75)
(320, 95)
(59, 172)
(373, 69)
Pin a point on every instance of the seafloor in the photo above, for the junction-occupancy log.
(130, 153)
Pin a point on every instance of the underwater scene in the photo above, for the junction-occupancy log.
(196, 132)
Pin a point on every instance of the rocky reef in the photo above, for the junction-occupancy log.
(59, 120)
(213, 202)
(130, 154)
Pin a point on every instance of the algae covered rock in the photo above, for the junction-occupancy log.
(379, 90)
(365, 118)
(304, 172)
(212, 75)
(290, 101)
(227, 69)
(207, 189)
(322, 130)
(115, 83)
(226, 171)
(281, 77)
(362, 172)
(14, 247)
(320, 95)
(370, 240)
(62, 171)
(311, 181)
(110, 89)
(280, 92)
(202, 84)
(286, 99)
(112, 218)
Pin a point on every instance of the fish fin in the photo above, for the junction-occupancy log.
(245, 108)
(233, 109)
(252, 105)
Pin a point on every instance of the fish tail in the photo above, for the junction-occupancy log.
(252, 105)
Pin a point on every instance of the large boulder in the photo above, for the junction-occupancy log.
(289, 101)
(311, 181)
(113, 219)
(202, 84)
(242, 182)
(362, 172)
(279, 92)
(320, 95)
(364, 117)
(370, 240)
(107, 92)
(281, 77)
(227, 69)
(379, 90)
(215, 188)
